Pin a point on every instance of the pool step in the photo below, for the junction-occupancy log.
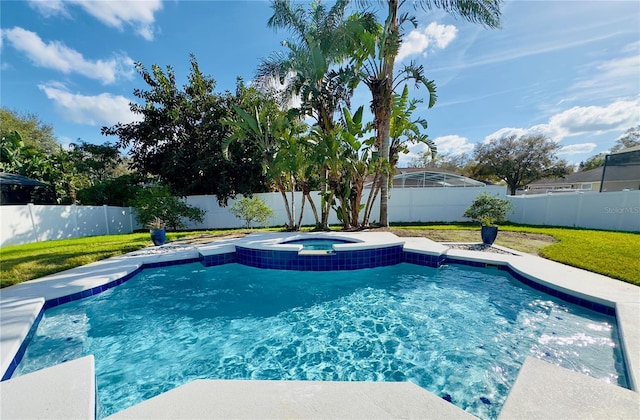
(294, 399)
(64, 391)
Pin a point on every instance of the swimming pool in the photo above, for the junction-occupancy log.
(461, 333)
(318, 244)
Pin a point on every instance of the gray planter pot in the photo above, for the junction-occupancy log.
(158, 236)
(489, 234)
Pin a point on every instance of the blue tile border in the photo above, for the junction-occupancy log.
(52, 303)
(585, 303)
(291, 260)
(427, 260)
(338, 260)
(23, 347)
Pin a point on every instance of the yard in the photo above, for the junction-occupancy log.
(614, 254)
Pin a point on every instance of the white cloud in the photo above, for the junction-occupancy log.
(55, 55)
(138, 14)
(616, 78)
(49, 8)
(102, 109)
(415, 151)
(433, 36)
(581, 120)
(576, 149)
(453, 145)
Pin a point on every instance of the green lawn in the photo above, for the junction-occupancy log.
(615, 254)
(20, 263)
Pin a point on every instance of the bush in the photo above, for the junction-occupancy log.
(488, 209)
(156, 205)
(251, 209)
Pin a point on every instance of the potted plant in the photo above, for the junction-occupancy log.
(157, 209)
(158, 231)
(488, 210)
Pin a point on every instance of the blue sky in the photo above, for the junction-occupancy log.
(567, 69)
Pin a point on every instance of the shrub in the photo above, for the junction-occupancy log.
(251, 209)
(156, 205)
(488, 209)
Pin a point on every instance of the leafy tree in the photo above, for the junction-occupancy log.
(458, 164)
(119, 191)
(98, 162)
(314, 66)
(56, 169)
(180, 137)
(11, 152)
(485, 12)
(519, 160)
(403, 130)
(251, 209)
(33, 132)
(276, 136)
(630, 138)
(593, 162)
(157, 204)
(488, 209)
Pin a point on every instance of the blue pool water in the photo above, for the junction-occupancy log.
(459, 332)
(317, 244)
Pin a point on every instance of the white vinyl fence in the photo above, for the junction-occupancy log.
(612, 211)
(619, 210)
(28, 223)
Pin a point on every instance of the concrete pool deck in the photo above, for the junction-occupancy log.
(541, 390)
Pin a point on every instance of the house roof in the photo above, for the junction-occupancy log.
(614, 173)
(429, 177)
(627, 150)
(14, 179)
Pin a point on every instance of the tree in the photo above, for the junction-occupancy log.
(275, 135)
(403, 130)
(485, 12)
(157, 205)
(518, 160)
(98, 162)
(593, 162)
(630, 138)
(119, 191)
(33, 132)
(314, 66)
(251, 209)
(458, 164)
(180, 137)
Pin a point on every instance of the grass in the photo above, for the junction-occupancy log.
(20, 263)
(614, 254)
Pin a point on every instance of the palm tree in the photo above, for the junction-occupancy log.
(314, 67)
(380, 77)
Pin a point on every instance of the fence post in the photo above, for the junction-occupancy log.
(130, 220)
(579, 212)
(76, 229)
(546, 210)
(622, 215)
(106, 218)
(34, 226)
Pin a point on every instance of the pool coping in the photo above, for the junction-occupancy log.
(22, 304)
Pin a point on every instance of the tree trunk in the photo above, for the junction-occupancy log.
(283, 192)
(301, 211)
(294, 227)
(325, 215)
(373, 193)
(385, 109)
(313, 208)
